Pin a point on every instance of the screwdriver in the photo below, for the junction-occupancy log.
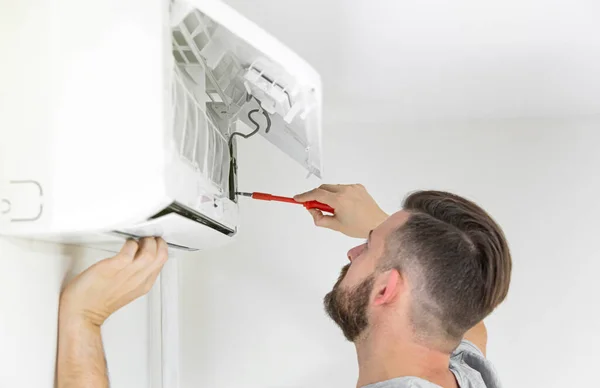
(308, 204)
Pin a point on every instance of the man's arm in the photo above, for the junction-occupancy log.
(478, 335)
(91, 298)
(81, 361)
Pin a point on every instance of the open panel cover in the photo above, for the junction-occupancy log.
(242, 69)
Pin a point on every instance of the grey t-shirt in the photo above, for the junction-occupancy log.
(471, 368)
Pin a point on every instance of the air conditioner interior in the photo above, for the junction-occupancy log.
(199, 138)
(208, 95)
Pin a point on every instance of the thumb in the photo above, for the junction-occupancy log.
(322, 220)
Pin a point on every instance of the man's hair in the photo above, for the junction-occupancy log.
(457, 260)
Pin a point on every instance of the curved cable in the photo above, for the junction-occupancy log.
(233, 163)
(256, 124)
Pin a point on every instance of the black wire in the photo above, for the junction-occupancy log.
(232, 162)
(257, 125)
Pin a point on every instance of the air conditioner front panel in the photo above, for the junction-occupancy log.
(82, 114)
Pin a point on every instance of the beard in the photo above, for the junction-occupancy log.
(348, 308)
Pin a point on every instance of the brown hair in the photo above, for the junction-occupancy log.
(457, 259)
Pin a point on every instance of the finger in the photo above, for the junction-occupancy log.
(155, 262)
(147, 251)
(324, 196)
(128, 250)
(332, 188)
(162, 253)
(324, 221)
(161, 257)
(150, 280)
(316, 214)
(157, 265)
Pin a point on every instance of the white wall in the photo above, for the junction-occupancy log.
(31, 277)
(445, 59)
(252, 314)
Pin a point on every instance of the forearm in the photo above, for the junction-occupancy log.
(81, 362)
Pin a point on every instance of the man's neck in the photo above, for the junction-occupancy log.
(385, 357)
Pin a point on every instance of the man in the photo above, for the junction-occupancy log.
(412, 299)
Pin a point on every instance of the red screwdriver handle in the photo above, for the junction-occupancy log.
(319, 205)
(308, 205)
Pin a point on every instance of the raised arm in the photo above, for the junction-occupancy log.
(356, 212)
(91, 298)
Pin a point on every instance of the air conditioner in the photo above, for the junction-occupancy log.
(117, 118)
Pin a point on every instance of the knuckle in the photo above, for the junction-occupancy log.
(143, 242)
(148, 285)
(135, 245)
(145, 257)
(119, 257)
(118, 261)
(164, 257)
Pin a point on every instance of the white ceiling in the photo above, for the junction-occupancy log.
(444, 59)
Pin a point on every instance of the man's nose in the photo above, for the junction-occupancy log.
(355, 252)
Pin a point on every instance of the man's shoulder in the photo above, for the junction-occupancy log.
(466, 347)
(471, 368)
(467, 362)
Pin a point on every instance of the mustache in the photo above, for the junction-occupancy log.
(342, 275)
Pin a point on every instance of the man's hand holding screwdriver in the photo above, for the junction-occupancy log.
(356, 212)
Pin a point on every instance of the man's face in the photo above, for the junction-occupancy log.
(348, 302)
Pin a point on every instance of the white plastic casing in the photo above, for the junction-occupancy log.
(104, 125)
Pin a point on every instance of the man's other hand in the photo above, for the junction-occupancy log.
(356, 212)
(112, 283)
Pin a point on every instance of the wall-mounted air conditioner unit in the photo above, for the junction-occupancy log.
(117, 117)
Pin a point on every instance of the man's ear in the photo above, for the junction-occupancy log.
(388, 287)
